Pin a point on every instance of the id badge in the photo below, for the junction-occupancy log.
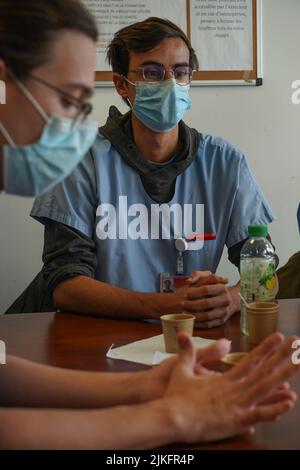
(169, 283)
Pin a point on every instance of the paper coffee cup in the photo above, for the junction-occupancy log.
(233, 358)
(262, 320)
(173, 324)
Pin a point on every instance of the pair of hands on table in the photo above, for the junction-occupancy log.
(209, 406)
(208, 297)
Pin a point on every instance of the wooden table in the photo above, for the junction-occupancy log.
(80, 342)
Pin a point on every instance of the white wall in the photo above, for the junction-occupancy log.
(262, 121)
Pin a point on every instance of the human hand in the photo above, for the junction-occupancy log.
(209, 299)
(210, 407)
(154, 382)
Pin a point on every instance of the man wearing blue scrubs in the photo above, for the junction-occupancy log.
(110, 228)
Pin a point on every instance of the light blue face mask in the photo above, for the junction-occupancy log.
(161, 106)
(34, 169)
(298, 217)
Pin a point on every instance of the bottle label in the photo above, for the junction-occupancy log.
(258, 279)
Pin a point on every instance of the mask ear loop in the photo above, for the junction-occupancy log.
(31, 99)
(129, 102)
(6, 136)
(131, 83)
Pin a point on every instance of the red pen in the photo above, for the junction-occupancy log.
(201, 236)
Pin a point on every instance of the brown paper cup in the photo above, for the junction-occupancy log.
(233, 358)
(172, 324)
(262, 320)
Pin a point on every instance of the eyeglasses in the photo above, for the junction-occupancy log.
(84, 108)
(155, 73)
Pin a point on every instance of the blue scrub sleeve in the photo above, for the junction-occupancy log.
(250, 206)
(72, 202)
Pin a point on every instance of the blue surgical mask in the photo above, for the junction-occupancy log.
(34, 169)
(298, 217)
(161, 106)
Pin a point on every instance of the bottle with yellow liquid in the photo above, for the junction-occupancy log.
(258, 270)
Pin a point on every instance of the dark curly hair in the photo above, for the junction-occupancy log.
(142, 37)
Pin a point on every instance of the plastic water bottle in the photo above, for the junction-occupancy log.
(257, 270)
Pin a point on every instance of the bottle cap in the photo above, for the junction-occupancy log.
(258, 230)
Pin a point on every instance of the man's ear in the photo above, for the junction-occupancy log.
(120, 85)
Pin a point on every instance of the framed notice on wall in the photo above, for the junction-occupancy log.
(226, 35)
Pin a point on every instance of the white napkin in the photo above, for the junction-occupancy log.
(149, 351)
